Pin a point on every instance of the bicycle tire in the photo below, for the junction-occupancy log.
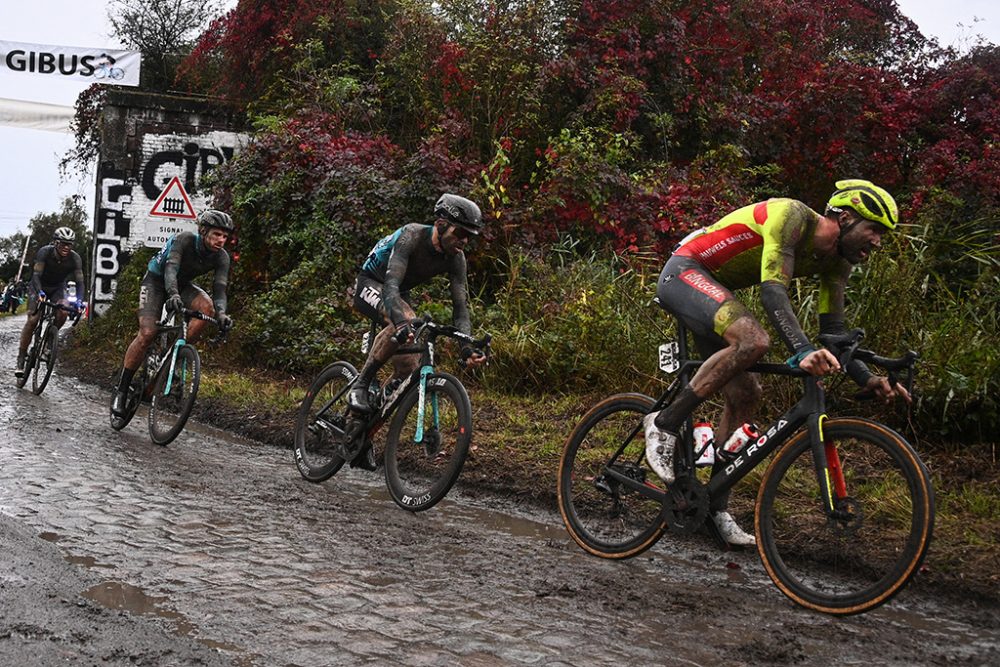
(420, 474)
(604, 518)
(316, 435)
(168, 413)
(132, 401)
(46, 359)
(849, 566)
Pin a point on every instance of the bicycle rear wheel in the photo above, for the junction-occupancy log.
(860, 560)
(173, 395)
(321, 422)
(45, 362)
(605, 517)
(419, 473)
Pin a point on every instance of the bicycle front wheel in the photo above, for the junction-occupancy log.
(605, 517)
(173, 395)
(427, 445)
(46, 360)
(322, 421)
(864, 555)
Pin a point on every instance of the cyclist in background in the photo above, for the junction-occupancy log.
(765, 244)
(411, 256)
(54, 263)
(184, 257)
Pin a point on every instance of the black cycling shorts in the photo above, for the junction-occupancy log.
(152, 295)
(368, 299)
(705, 306)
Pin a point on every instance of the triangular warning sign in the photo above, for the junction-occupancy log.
(174, 202)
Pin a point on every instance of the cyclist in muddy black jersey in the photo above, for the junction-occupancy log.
(54, 263)
(168, 280)
(408, 257)
(764, 244)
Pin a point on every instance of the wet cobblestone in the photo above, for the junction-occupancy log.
(276, 571)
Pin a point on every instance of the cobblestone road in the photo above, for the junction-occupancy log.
(222, 540)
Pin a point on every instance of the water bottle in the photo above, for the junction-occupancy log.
(704, 437)
(738, 440)
(71, 291)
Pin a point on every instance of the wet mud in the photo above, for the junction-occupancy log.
(216, 543)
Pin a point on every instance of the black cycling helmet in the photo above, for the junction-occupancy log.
(213, 218)
(459, 211)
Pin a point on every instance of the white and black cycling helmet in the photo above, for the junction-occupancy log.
(215, 218)
(64, 235)
(459, 211)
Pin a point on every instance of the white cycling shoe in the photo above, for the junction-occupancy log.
(730, 530)
(660, 446)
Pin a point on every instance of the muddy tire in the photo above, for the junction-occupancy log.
(604, 517)
(322, 419)
(424, 454)
(45, 361)
(172, 405)
(860, 560)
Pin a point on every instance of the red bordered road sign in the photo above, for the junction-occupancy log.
(174, 202)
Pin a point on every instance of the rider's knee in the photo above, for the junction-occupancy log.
(753, 345)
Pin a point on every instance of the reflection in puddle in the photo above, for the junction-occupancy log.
(86, 561)
(121, 596)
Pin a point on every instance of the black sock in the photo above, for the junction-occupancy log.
(126, 380)
(672, 416)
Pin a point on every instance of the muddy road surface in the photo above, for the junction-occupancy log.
(215, 551)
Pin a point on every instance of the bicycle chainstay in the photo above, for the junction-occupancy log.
(686, 505)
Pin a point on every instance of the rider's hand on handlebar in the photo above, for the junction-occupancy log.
(820, 362)
(881, 388)
(175, 304)
(225, 322)
(471, 357)
(404, 333)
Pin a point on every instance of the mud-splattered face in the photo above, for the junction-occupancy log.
(454, 239)
(861, 240)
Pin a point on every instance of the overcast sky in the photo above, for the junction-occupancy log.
(29, 176)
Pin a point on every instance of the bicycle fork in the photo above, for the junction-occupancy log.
(421, 405)
(829, 473)
(173, 365)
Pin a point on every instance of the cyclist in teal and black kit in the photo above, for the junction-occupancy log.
(764, 244)
(168, 280)
(54, 263)
(409, 257)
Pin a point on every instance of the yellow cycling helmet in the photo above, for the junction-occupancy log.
(867, 199)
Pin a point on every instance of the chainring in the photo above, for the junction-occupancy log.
(686, 505)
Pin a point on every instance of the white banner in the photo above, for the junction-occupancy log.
(35, 115)
(71, 63)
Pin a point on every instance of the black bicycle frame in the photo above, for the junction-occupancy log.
(810, 410)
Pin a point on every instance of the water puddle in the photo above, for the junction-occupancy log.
(125, 597)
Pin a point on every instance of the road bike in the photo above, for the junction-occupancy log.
(429, 432)
(844, 513)
(40, 359)
(168, 378)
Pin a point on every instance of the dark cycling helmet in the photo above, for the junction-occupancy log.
(459, 211)
(867, 200)
(214, 218)
(64, 235)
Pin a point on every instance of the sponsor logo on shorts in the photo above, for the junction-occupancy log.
(143, 295)
(371, 296)
(697, 280)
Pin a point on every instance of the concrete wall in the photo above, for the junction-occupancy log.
(147, 140)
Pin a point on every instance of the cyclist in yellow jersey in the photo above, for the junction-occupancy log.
(765, 244)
